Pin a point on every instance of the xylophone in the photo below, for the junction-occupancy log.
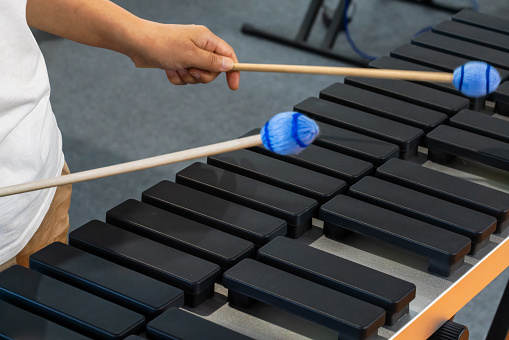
(359, 236)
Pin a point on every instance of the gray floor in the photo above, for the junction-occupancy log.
(110, 112)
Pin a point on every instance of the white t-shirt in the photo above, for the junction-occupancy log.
(30, 142)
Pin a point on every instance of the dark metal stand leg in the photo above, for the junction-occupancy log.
(500, 326)
(309, 20)
(336, 25)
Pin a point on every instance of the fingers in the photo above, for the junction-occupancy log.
(214, 54)
(210, 61)
(203, 76)
(204, 60)
(186, 77)
(182, 77)
(191, 76)
(197, 76)
(233, 80)
(174, 78)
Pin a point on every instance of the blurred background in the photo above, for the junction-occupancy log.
(111, 112)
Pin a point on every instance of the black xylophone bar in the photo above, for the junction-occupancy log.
(501, 98)
(407, 138)
(490, 22)
(479, 36)
(462, 48)
(439, 60)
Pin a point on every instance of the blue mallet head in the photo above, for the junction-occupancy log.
(476, 79)
(288, 133)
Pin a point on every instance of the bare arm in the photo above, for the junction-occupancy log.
(189, 54)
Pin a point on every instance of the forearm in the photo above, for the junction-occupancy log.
(99, 23)
(189, 54)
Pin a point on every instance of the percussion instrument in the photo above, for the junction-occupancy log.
(383, 228)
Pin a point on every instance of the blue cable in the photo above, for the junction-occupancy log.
(475, 7)
(349, 38)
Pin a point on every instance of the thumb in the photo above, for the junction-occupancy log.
(212, 62)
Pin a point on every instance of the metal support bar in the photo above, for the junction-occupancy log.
(300, 41)
(309, 20)
(335, 26)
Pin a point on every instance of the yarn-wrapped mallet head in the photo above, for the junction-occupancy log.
(288, 133)
(476, 79)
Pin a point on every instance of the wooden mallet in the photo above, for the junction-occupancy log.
(285, 133)
(473, 79)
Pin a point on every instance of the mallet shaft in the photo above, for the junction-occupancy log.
(141, 164)
(347, 71)
(441, 77)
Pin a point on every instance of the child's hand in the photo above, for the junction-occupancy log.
(190, 54)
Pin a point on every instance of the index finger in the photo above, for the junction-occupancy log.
(224, 49)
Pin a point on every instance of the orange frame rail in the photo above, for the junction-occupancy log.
(458, 295)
